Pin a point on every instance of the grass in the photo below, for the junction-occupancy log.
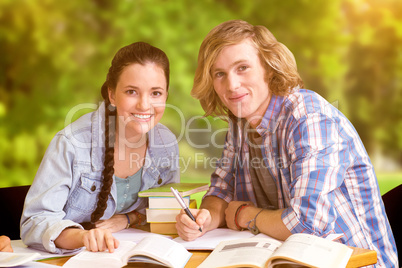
(386, 182)
(197, 196)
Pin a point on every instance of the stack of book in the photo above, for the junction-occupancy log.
(163, 206)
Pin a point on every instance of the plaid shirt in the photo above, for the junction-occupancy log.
(324, 177)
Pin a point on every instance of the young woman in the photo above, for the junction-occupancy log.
(88, 182)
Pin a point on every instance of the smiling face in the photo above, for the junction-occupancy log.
(239, 80)
(140, 98)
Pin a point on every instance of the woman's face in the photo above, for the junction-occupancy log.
(140, 98)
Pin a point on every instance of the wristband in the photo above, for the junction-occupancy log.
(237, 214)
(253, 229)
(128, 219)
(140, 217)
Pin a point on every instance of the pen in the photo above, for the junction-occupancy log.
(182, 204)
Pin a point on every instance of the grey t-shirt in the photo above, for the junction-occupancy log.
(265, 189)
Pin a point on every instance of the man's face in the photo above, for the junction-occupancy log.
(239, 81)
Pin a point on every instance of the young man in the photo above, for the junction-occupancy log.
(292, 163)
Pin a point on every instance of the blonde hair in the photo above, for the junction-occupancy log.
(276, 58)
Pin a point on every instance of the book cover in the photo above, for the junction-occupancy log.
(166, 228)
(166, 214)
(184, 189)
(162, 215)
(166, 202)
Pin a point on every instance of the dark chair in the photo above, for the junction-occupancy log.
(11, 205)
(393, 207)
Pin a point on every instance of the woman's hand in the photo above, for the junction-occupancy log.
(99, 240)
(5, 244)
(94, 240)
(116, 223)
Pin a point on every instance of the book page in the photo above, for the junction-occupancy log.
(135, 235)
(250, 252)
(19, 247)
(36, 264)
(162, 249)
(211, 239)
(9, 259)
(280, 263)
(313, 251)
(102, 259)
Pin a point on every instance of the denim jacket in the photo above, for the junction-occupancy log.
(65, 189)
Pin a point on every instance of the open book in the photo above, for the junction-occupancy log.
(299, 250)
(211, 239)
(10, 259)
(151, 249)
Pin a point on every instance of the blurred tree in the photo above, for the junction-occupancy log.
(374, 77)
(312, 30)
(44, 46)
(55, 56)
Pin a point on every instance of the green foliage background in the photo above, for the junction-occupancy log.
(54, 56)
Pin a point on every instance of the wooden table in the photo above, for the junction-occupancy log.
(360, 257)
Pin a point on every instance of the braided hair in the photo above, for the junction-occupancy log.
(140, 53)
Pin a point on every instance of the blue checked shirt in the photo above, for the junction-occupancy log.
(324, 177)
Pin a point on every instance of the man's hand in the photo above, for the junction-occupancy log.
(211, 215)
(188, 229)
(5, 244)
(230, 213)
